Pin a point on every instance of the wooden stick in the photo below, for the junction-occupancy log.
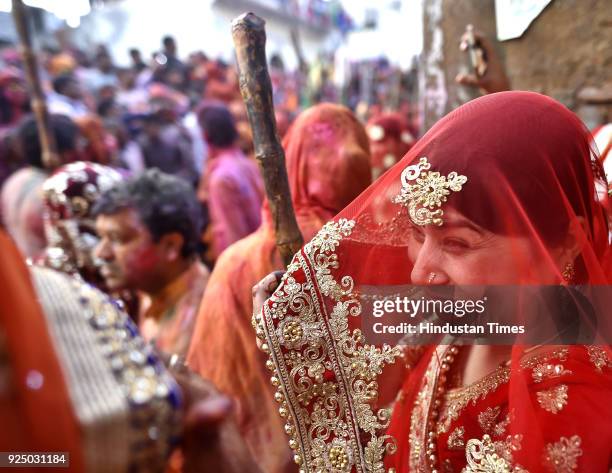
(50, 157)
(248, 32)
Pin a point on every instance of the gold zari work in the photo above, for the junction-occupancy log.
(487, 420)
(424, 192)
(455, 439)
(553, 400)
(562, 456)
(599, 357)
(330, 420)
(487, 456)
(457, 399)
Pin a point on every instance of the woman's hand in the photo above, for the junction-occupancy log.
(264, 289)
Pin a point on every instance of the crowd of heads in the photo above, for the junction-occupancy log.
(124, 202)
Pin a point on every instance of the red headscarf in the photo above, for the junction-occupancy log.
(328, 166)
(519, 165)
(390, 139)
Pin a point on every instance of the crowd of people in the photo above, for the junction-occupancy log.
(151, 329)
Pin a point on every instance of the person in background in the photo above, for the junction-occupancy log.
(328, 165)
(171, 70)
(13, 98)
(22, 198)
(494, 79)
(390, 139)
(101, 81)
(231, 186)
(100, 146)
(138, 65)
(166, 145)
(67, 97)
(149, 229)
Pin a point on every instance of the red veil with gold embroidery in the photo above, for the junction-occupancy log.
(520, 166)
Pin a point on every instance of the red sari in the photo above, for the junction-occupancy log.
(519, 165)
(327, 165)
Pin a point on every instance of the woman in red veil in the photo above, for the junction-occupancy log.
(499, 192)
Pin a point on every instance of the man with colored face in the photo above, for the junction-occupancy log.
(149, 231)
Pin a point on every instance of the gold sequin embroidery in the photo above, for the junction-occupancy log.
(428, 192)
(549, 370)
(599, 357)
(562, 456)
(486, 456)
(487, 420)
(456, 400)
(455, 439)
(330, 420)
(553, 400)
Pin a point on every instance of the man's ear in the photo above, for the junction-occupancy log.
(171, 245)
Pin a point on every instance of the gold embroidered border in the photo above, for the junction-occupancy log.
(326, 377)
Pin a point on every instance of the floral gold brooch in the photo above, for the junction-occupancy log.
(424, 192)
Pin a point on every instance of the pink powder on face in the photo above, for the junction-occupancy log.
(143, 260)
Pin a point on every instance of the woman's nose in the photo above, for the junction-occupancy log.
(428, 268)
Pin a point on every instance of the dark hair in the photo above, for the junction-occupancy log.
(61, 82)
(165, 204)
(277, 61)
(105, 106)
(218, 125)
(167, 40)
(64, 129)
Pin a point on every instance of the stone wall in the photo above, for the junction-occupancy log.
(566, 49)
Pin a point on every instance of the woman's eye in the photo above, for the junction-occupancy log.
(456, 245)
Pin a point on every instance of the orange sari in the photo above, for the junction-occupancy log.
(32, 419)
(327, 159)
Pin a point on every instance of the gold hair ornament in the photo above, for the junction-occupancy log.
(424, 190)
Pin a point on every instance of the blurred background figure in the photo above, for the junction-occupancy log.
(67, 97)
(231, 186)
(138, 65)
(22, 195)
(390, 139)
(14, 102)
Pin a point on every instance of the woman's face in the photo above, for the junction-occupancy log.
(462, 253)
